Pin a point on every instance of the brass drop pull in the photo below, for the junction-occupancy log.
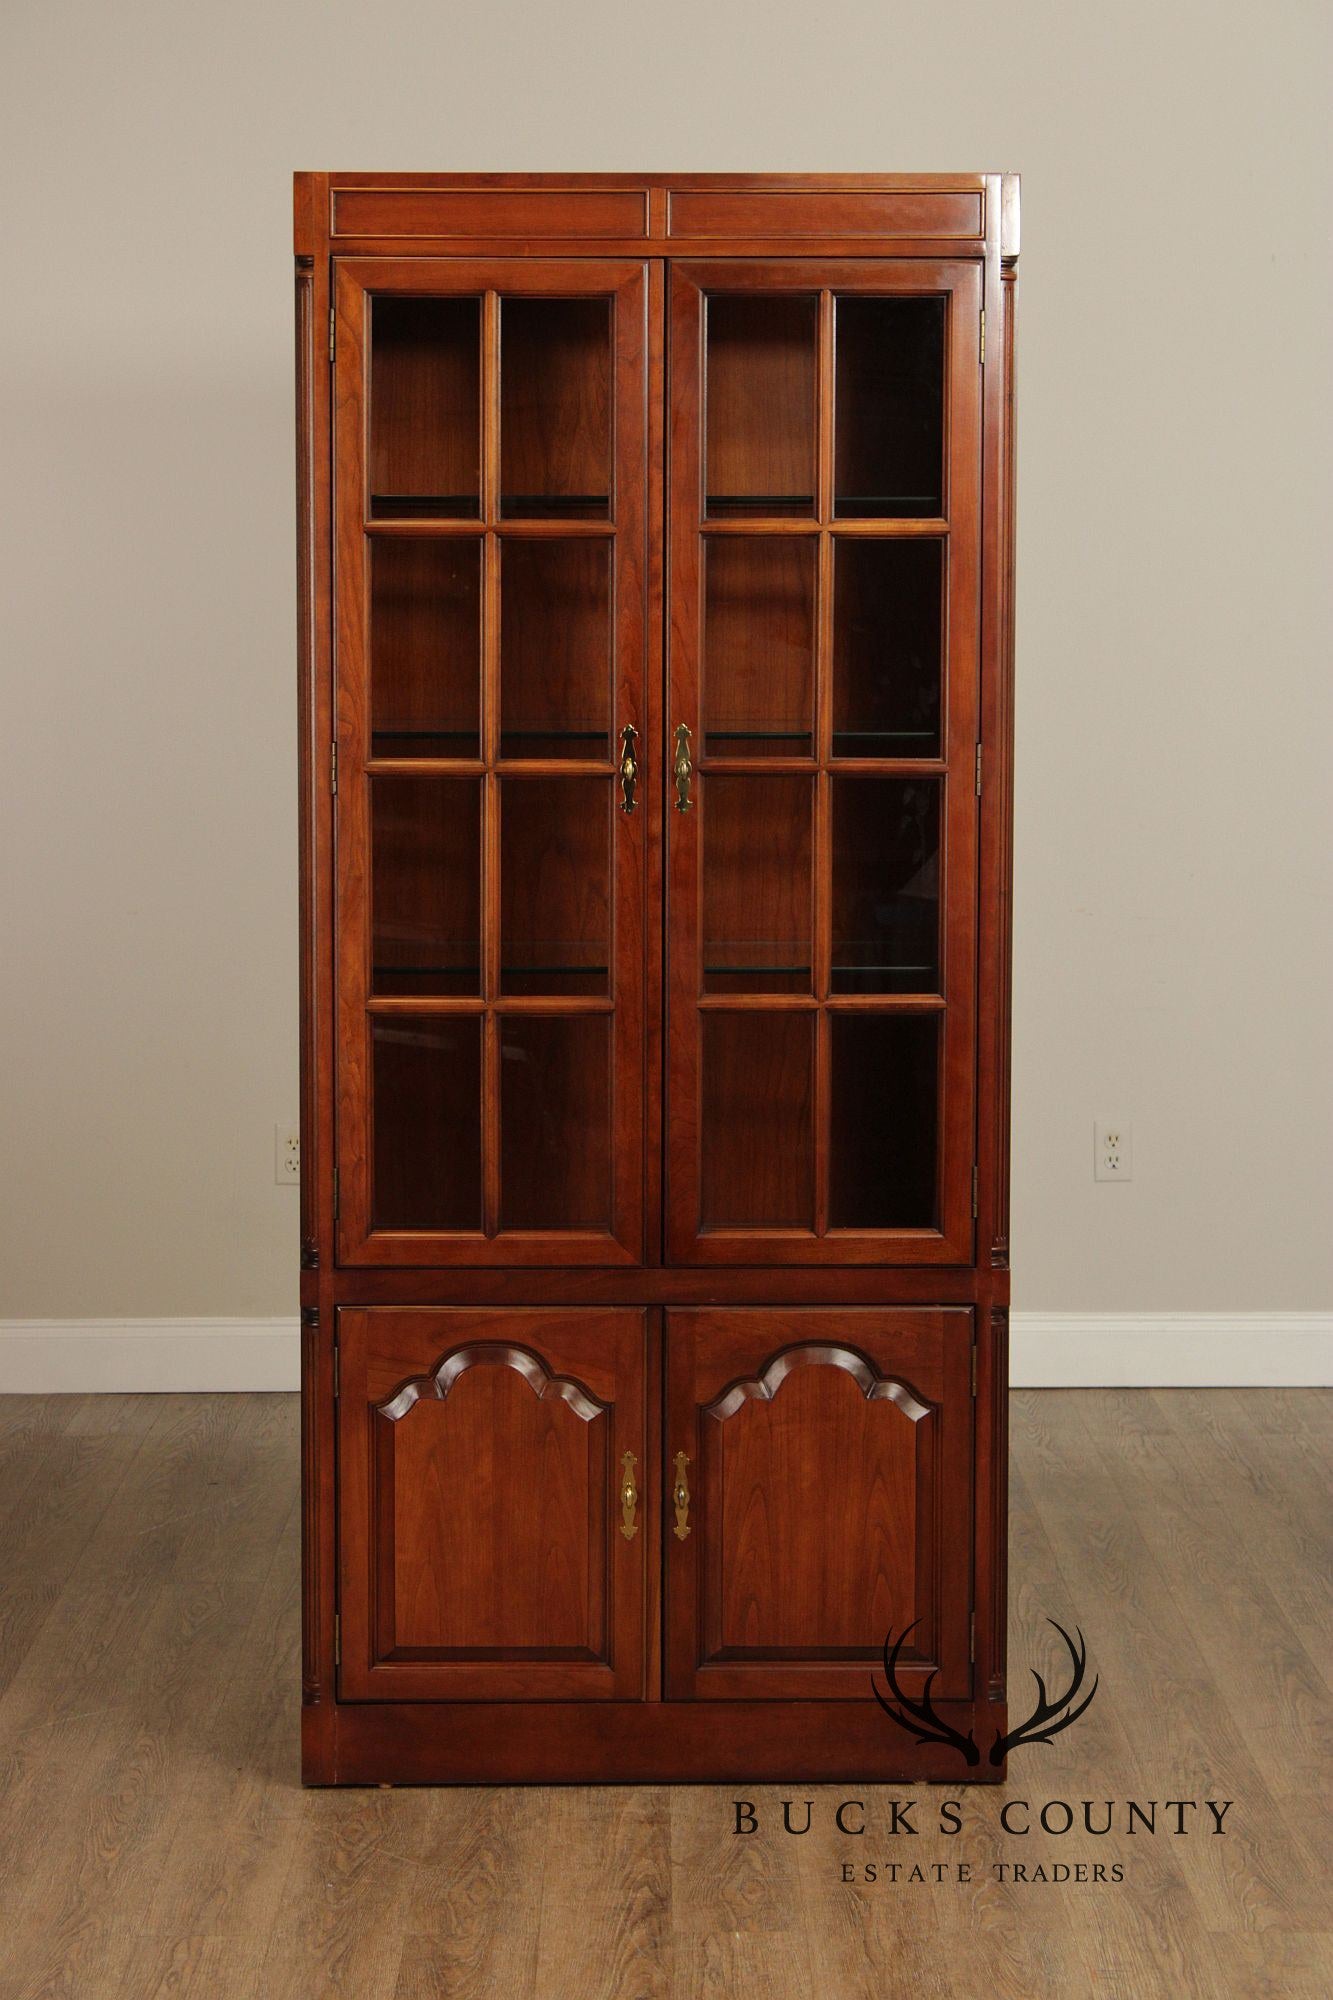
(629, 1497)
(629, 767)
(682, 769)
(680, 1498)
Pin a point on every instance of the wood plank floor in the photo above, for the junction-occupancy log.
(154, 1839)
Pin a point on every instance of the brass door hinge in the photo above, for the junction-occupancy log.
(337, 1640)
(982, 356)
(974, 1191)
(333, 767)
(338, 1386)
(333, 321)
(978, 770)
(337, 1193)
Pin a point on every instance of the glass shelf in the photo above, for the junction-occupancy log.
(555, 735)
(425, 506)
(557, 506)
(747, 969)
(879, 743)
(426, 982)
(721, 505)
(429, 971)
(759, 735)
(885, 506)
(445, 744)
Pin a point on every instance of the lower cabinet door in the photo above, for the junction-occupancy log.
(819, 1473)
(494, 1536)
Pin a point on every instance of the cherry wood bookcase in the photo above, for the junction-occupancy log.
(655, 631)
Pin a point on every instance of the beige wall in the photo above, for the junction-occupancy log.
(1173, 822)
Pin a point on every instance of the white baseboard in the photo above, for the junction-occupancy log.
(1171, 1350)
(1046, 1351)
(43, 1357)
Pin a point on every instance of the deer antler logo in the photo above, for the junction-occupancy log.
(1046, 1721)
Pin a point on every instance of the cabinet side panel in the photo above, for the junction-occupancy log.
(998, 1376)
(314, 858)
(309, 837)
(1004, 806)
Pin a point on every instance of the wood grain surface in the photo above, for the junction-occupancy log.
(154, 1838)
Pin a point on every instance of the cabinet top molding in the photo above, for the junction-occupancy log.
(882, 215)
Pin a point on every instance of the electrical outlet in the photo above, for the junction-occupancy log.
(286, 1155)
(1113, 1152)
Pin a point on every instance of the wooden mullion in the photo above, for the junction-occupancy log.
(425, 767)
(416, 529)
(748, 767)
(555, 767)
(780, 524)
(892, 767)
(490, 407)
(825, 413)
(907, 527)
(823, 1118)
(512, 1003)
(527, 528)
(757, 1003)
(490, 1123)
(885, 1003)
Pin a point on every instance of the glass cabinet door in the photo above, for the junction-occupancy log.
(823, 709)
(490, 499)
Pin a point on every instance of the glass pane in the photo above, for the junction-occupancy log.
(757, 1140)
(760, 404)
(555, 648)
(555, 885)
(555, 408)
(889, 430)
(887, 599)
(882, 1141)
(425, 408)
(427, 1097)
(759, 646)
(886, 885)
(425, 647)
(555, 1122)
(425, 885)
(756, 883)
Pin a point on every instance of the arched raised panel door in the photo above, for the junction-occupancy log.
(819, 1471)
(492, 1464)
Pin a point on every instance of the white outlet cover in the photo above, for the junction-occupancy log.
(1112, 1150)
(287, 1155)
